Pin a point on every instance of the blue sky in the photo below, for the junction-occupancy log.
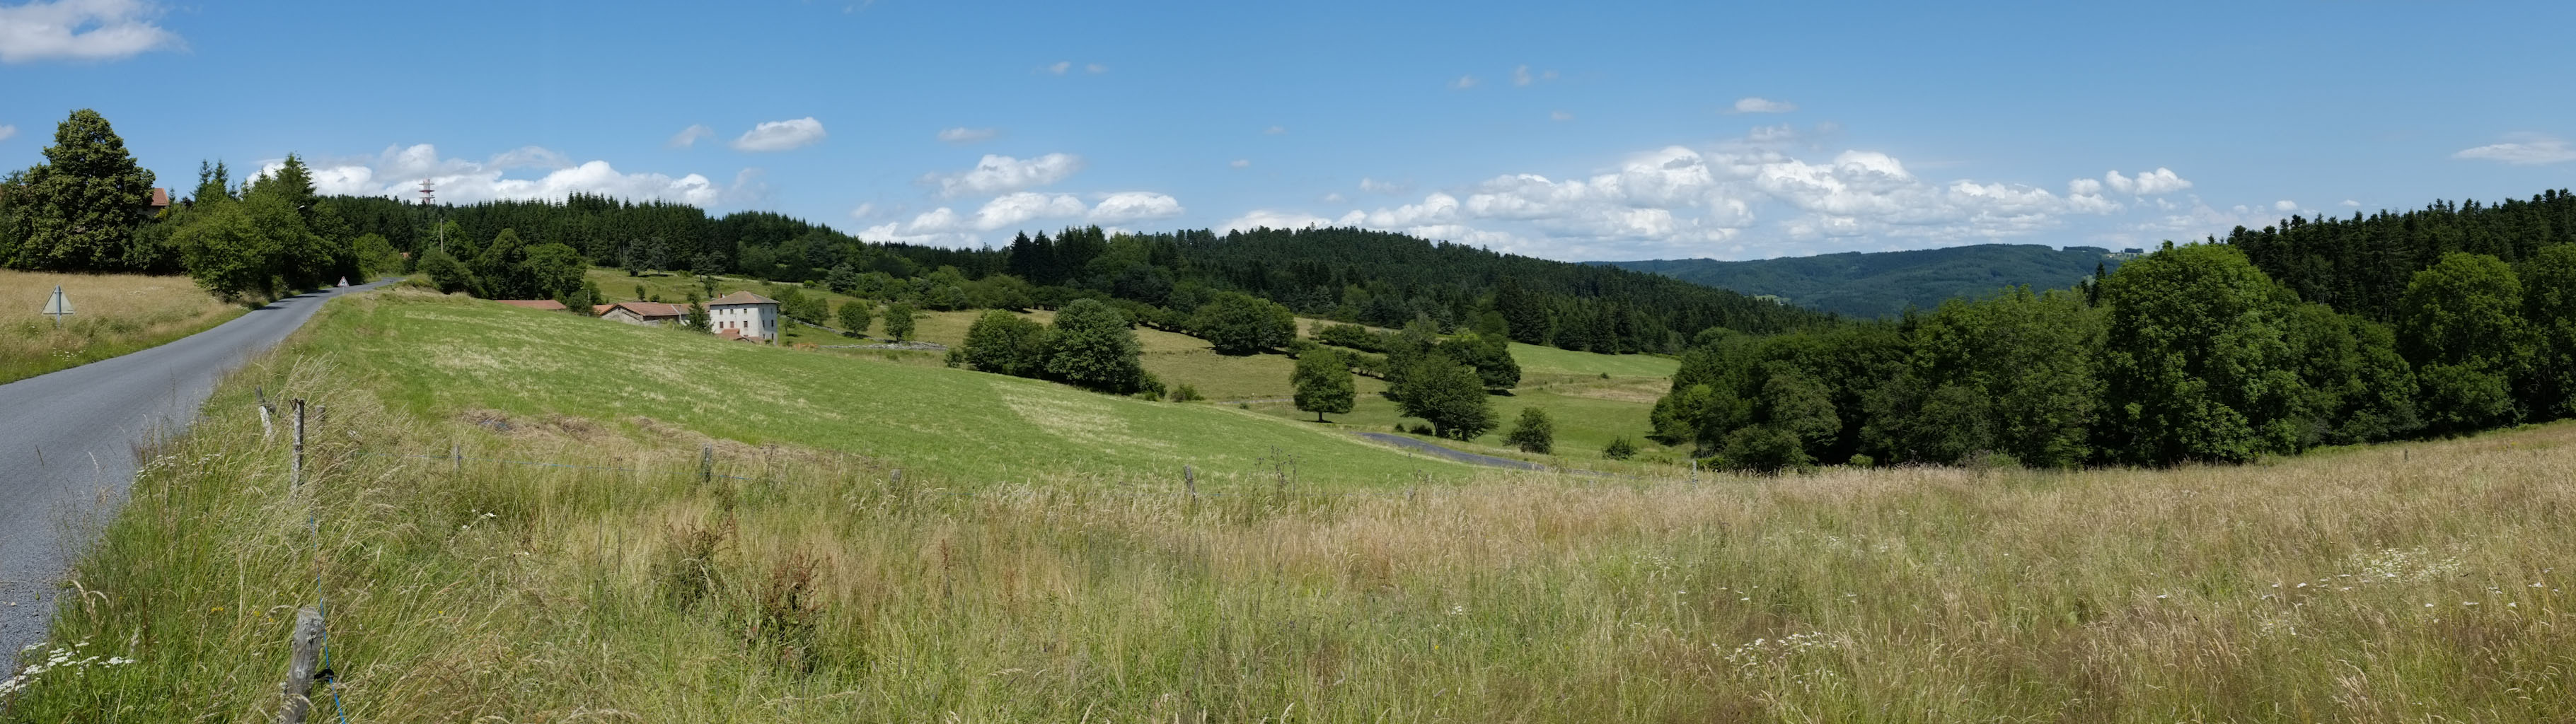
(1561, 130)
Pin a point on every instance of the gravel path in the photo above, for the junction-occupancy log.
(68, 441)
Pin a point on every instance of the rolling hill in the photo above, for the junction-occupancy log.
(1873, 284)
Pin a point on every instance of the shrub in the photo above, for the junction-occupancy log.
(1186, 393)
(1533, 433)
(1619, 449)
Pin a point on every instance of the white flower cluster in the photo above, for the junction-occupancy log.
(1773, 659)
(61, 660)
(2406, 564)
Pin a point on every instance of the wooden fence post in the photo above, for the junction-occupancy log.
(297, 481)
(299, 669)
(1694, 470)
(1190, 479)
(706, 464)
(456, 457)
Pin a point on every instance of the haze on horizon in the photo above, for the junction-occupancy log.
(1562, 131)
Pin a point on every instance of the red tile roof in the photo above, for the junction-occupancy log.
(160, 197)
(742, 298)
(599, 309)
(545, 304)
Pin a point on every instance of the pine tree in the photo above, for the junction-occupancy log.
(78, 210)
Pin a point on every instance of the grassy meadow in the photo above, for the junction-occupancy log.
(1592, 398)
(113, 314)
(453, 356)
(2401, 583)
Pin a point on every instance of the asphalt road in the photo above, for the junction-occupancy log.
(1460, 456)
(68, 442)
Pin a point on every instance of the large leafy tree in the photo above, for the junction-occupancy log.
(2011, 375)
(2460, 323)
(855, 316)
(2549, 307)
(1095, 348)
(1490, 354)
(78, 210)
(1446, 394)
(1005, 343)
(228, 251)
(1239, 324)
(1323, 382)
(899, 319)
(2196, 362)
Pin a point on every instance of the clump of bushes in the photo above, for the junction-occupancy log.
(1619, 449)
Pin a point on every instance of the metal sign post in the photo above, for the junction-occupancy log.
(58, 307)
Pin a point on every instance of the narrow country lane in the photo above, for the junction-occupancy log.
(67, 443)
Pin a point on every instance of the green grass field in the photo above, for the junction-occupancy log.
(2418, 582)
(451, 355)
(1592, 398)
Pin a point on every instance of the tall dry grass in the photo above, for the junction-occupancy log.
(2405, 583)
(113, 314)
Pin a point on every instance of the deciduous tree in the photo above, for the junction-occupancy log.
(1323, 382)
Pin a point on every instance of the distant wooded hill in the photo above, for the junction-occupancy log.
(1873, 284)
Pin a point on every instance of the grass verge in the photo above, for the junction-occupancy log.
(113, 314)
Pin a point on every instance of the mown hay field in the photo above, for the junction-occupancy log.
(2418, 582)
(113, 314)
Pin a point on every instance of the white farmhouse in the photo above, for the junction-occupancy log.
(744, 315)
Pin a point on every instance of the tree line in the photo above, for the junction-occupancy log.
(88, 207)
(2189, 354)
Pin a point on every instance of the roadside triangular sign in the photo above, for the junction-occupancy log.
(58, 305)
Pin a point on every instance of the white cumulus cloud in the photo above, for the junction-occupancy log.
(81, 30)
(1757, 104)
(967, 135)
(946, 226)
(1132, 206)
(2285, 206)
(784, 135)
(2523, 149)
(1240, 163)
(995, 174)
(689, 136)
(7, 131)
(2149, 183)
(1463, 82)
(1056, 68)
(398, 171)
(2349, 204)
